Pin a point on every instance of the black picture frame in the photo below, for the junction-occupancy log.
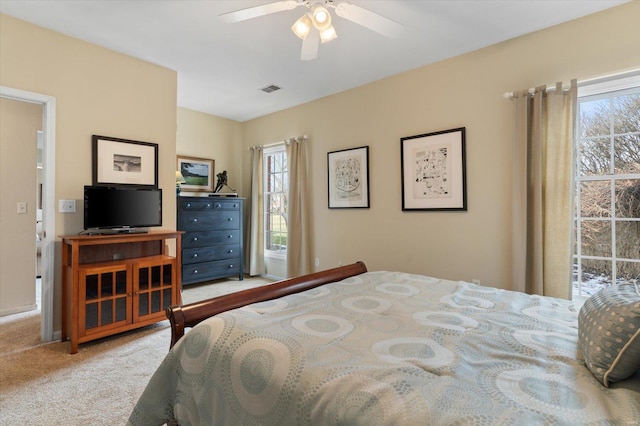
(348, 178)
(433, 169)
(124, 162)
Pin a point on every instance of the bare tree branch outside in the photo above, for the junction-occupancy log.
(608, 198)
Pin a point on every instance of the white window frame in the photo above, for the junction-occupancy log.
(588, 91)
(279, 254)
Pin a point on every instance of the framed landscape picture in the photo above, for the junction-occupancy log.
(433, 171)
(198, 173)
(124, 162)
(349, 178)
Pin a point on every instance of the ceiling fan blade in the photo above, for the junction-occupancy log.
(310, 46)
(368, 19)
(257, 11)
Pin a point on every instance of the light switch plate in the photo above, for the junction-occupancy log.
(67, 206)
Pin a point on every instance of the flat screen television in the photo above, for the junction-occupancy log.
(109, 209)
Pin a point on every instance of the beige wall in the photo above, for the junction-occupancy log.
(97, 91)
(463, 91)
(19, 124)
(207, 136)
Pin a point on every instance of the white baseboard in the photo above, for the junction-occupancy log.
(18, 310)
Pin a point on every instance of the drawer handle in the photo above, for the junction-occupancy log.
(195, 254)
(195, 238)
(230, 236)
(230, 219)
(235, 205)
(188, 204)
(195, 219)
(195, 271)
(230, 251)
(218, 205)
(230, 266)
(208, 204)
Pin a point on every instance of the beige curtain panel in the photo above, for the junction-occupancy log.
(543, 182)
(298, 224)
(255, 233)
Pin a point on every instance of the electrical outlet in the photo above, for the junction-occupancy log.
(67, 206)
(475, 281)
(22, 207)
(317, 261)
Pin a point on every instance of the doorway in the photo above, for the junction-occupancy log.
(48, 202)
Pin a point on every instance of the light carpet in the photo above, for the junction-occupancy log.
(42, 384)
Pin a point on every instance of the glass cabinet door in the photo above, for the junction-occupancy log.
(154, 287)
(104, 296)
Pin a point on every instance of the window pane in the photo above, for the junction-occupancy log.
(628, 198)
(270, 183)
(594, 118)
(274, 203)
(276, 181)
(277, 163)
(627, 271)
(628, 239)
(626, 113)
(596, 274)
(595, 199)
(596, 238)
(595, 157)
(626, 154)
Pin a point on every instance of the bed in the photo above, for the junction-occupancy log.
(349, 346)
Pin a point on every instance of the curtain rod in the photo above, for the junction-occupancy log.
(554, 87)
(283, 142)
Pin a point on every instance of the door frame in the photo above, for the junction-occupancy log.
(48, 200)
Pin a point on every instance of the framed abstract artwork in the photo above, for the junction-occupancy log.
(433, 171)
(348, 173)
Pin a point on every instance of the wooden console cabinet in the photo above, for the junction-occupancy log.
(115, 283)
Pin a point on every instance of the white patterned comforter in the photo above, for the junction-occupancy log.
(386, 348)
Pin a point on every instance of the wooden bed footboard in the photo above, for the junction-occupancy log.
(183, 316)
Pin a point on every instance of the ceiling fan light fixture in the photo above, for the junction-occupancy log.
(302, 26)
(328, 34)
(320, 17)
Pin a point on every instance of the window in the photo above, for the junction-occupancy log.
(276, 205)
(607, 198)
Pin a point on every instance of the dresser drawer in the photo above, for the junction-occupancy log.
(188, 204)
(209, 238)
(209, 270)
(200, 220)
(207, 254)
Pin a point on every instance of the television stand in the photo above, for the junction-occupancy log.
(118, 282)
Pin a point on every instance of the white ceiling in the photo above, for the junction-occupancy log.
(222, 67)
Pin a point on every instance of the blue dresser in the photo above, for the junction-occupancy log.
(212, 240)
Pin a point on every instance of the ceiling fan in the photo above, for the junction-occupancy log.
(314, 27)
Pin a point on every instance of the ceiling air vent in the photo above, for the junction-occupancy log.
(270, 89)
